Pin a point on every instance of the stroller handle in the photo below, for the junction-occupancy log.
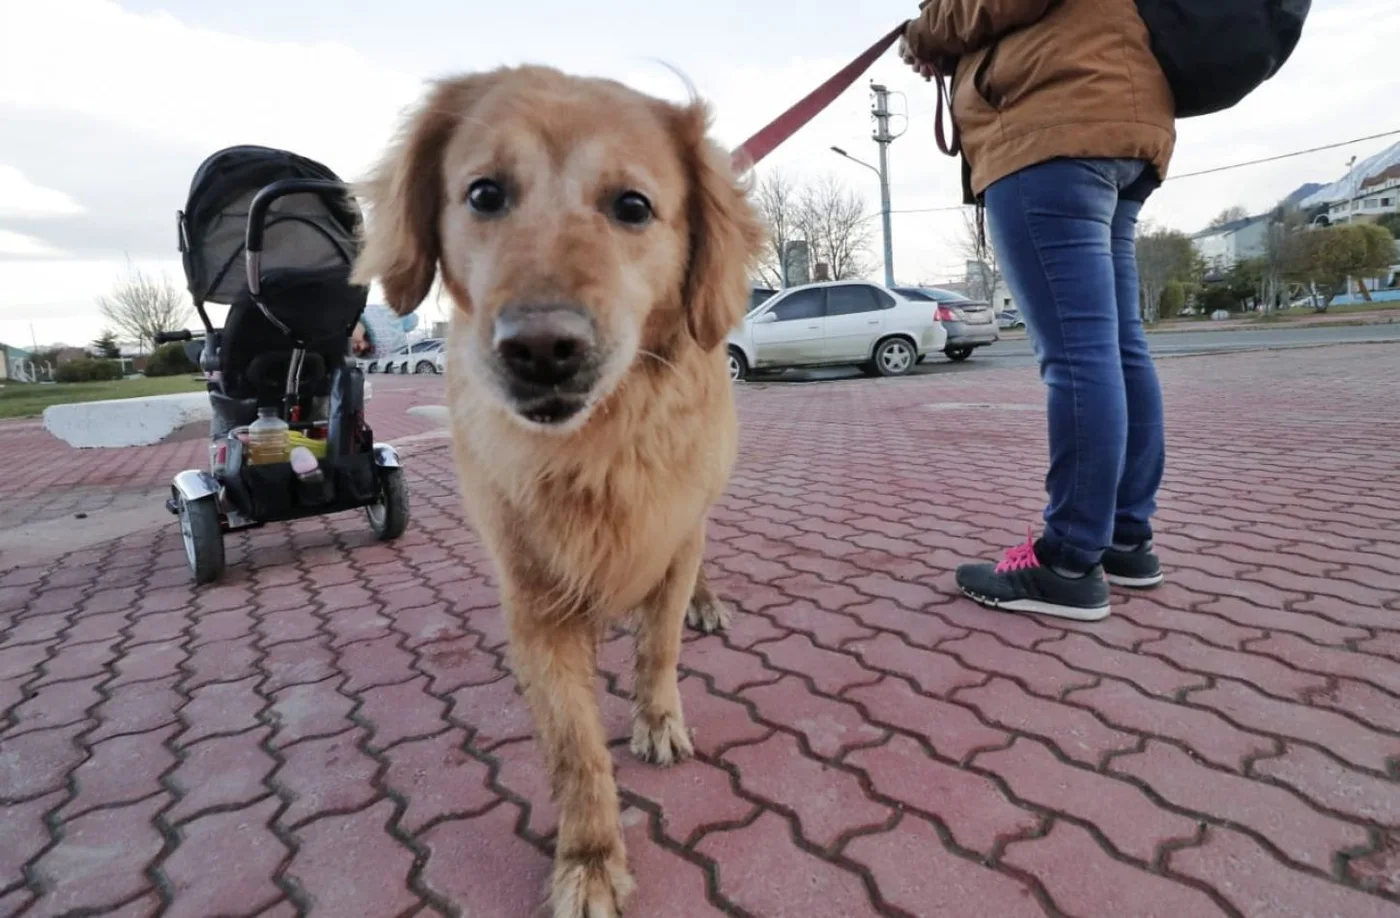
(257, 217)
(257, 213)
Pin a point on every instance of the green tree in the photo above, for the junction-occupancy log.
(1173, 298)
(106, 346)
(1325, 259)
(1392, 223)
(1163, 255)
(169, 360)
(1375, 248)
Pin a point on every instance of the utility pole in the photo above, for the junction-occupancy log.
(883, 139)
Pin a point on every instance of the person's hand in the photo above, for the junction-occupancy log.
(922, 68)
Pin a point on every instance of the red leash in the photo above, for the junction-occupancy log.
(753, 150)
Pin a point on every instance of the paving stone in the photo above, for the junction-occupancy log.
(1131, 821)
(495, 712)
(828, 802)
(1082, 880)
(761, 871)
(1332, 731)
(25, 835)
(1296, 829)
(101, 859)
(349, 865)
(308, 709)
(1075, 732)
(1205, 733)
(38, 762)
(828, 726)
(1257, 883)
(954, 731)
(198, 871)
(437, 778)
(508, 876)
(932, 671)
(974, 809)
(1255, 683)
(715, 721)
(915, 872)
(397, 712)
(122, 769)
(220, 772)
(221, 708)
(325, 775)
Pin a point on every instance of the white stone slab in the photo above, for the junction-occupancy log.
(125, 422)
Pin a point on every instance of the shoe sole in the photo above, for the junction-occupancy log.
(1135, 583)
(1036, 607)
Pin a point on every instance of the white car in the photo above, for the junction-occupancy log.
(423, 357)
(837, 323)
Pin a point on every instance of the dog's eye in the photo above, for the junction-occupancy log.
(632, 209)
(487, 197)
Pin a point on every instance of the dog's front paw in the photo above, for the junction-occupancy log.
(661, 740)
(595, 886)
(708, 614)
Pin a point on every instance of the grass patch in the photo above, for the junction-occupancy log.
(25, 400)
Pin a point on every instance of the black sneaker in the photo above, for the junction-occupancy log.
(1020, 583)
(1137, 568)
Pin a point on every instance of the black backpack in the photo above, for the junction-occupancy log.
(1216, 52)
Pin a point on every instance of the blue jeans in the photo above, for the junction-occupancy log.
(1064, 232)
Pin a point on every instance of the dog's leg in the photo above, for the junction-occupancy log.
(555, 661)
(658, 726)
(707, 612)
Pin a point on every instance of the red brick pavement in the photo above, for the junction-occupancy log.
(332, 730)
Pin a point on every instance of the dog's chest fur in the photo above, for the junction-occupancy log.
(600, 513)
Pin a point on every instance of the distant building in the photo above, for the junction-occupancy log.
(1376, 196)
(1222, 247)
(10, 359)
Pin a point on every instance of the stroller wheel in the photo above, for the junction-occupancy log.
(388, 516)
(203, 538)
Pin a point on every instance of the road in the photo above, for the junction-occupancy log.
(1016, 352)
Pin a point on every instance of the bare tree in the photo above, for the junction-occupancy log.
(836, 225)
(779, 202)
(141, 305)
(1163, 256)
(1229, 215)
(984, 271)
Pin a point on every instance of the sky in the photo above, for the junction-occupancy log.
(108, 106)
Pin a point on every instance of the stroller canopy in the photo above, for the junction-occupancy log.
(307, 231)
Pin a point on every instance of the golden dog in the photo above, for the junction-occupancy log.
(595, 244)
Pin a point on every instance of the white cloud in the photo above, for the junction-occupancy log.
(19, 245)
(19, 197)
(179, 83)
(161, 78)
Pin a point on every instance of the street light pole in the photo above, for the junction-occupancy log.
(883, 139)
(884, 207)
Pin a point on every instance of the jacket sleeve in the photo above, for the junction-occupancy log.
(946, 28)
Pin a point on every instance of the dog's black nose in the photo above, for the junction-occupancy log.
(545, 345)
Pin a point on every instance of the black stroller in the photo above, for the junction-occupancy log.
(273, 235)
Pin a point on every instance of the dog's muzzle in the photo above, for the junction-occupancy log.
(548, 358)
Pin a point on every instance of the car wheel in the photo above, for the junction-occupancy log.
(738, 366)
(958, 354)
(372, 368)
(424, 368)
(895, 357)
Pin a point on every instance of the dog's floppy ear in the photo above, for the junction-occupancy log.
(405, 195)
(725, 233)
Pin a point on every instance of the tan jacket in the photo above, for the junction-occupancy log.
(1041, 79)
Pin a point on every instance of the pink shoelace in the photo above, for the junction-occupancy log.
(1020, 558)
